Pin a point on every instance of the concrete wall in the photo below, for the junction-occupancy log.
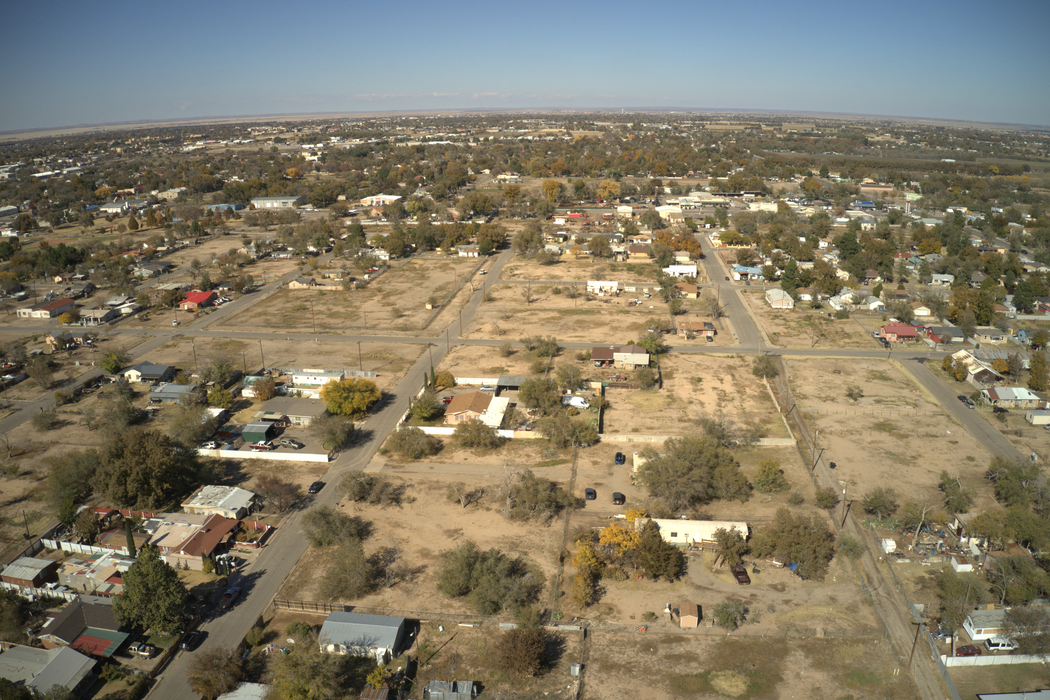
(992, 660)
(276, 456)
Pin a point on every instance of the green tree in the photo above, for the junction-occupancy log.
(764, 367)
(1016, 483)
(332, 431)
(114, 361)
(770, 477)
(220, 397)
(1039, 375)
(350, 574)
(475, 434)
(325, 526)
(957, 499)
(191, 424)
(569, 377)
(146, 469)
(796, 538)
(530, 497)
(154, 598)
(491, 581)
(645, 377)
(731, 546)
(308, 672)
(351, 397)
(880, 502)
(540, 395)
(730, 614)
(827, 498)
(413, 443)
(692, 471)
(215, 672)
(426, 406)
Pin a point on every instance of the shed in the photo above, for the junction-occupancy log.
(450, 690)
(357, 634)
(689, 617)
(961, 564)
(258, 431)
(1038, 417)
(888, 545)
(29, 572)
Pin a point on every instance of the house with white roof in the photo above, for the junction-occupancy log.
(228, 501)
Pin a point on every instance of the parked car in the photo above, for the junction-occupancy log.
(590, 494)
(740, 574)
(142, 649)
(264, 446)
(447, 399)
(727, 278)
(289, 442)
(999, 409)
(483, 272)
(210, 445)
(230, 595)
(1000, 644)
(486, 387)
(968, 650)
(621, 458)
(941, 635)
(618, 498)
(315, 487)
(962, 398)
(971, 404)
(191, 641)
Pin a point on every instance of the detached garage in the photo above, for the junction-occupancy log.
(258, 431)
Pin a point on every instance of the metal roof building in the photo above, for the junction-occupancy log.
(357, 634)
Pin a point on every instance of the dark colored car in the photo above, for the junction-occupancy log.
(191, 641)
(968, 650)
(230, 595)
(999, 409)
(621, 458)
(740, 574)
(618, 498)
(962, 398)
(315, 487)
(590, 494)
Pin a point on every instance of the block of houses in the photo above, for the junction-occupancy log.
(689, 616)
(277, 202)
(1012, 397)
(292, 409)
(40, 670)
(899, 332)
(197, 300)
(779, 299)
(464, 407)
(357, 634)
(29, 572)
(148, 372)
(47, 309)
(170, 392)
(86, 624)
(228, 501)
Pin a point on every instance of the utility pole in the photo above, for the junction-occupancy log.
(360, 362)
(195, 354)
(915, 642)
(446, 341)
(261, 356)
(844, 489)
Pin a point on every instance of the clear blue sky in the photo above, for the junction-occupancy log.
(67, 63)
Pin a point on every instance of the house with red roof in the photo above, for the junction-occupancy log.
(899, 333)
(197, 300)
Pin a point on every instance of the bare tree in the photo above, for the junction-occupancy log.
(464, 494)
(526, 293)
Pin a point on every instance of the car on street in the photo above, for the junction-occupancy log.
(968, 650)
(483, 272)
(191, 641)
(590, 494)
(142, 649)
(970, 404)
(230, 595)
(263, 446)
(315, 487)
(289, 442)
(727, 278)
(740, 574)
(621, 458)
(618, 498)
(962, 398)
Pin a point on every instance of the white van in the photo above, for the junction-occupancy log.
(1000, 644)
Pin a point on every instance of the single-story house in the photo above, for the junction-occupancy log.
(603, 287)
(277, 202)
(691, 532)
(779, 299)
(631, 356)
(681, 270)
(989, 334)
(39, 670)
(985, 624)
(29, 572)
(169, 392)
(1012, 397)
(96, 317)
(184, 539)
(298, 411)
(804, 294)
(87, 624)
(148, 372)
(302, 283)
(464, 407)
(944, 334)
(197, 300)
(356, 634)
(97, 574)
(872, 303)
(689, 616)
(687, 291)
(379, 200)
(688, 328)
(47, 309)
(470, 250)
(942, 280)
(920, 309)
(228, 501)
(899, 332)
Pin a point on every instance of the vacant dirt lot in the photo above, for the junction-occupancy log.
(393, 302)
(568, 268)
(805, 328)
(694, 386)
(893, 434)
(621, 665)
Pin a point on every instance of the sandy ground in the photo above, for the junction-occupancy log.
(893, 430)
(805, 328)
(568, 268)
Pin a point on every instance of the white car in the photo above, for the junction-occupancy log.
(210, 445)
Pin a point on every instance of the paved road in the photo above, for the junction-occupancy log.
(748, 334)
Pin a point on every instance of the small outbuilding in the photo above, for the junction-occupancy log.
(29, 572)
(357, 634)
(258, 431)
(689, 616)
